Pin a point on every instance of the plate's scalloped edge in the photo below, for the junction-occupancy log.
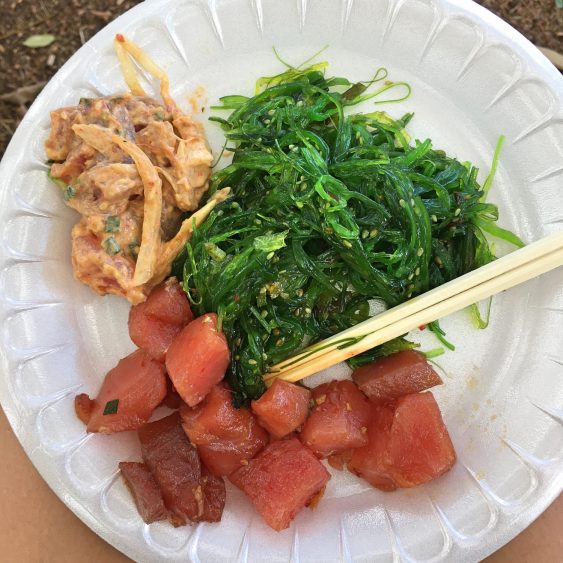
(451, 9)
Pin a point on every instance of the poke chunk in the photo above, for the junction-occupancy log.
(282, 408)
(281, 480)
(396, 375)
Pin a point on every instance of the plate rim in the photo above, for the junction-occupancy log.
(488, 21)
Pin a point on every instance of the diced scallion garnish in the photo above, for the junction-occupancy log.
(111, 246)
(69, 193)
(112, 224)
(111, 407)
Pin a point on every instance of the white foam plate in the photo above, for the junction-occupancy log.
(473, 78)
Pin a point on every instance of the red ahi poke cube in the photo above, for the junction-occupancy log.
(282, 408)
(281, 480)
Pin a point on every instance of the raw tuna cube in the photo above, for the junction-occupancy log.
(338, 420)
(225, 437)
(420, 448)
(177, 470)
(408, 444)
(154, 323)
(281, 480)
(129, 394)
(214, 494)
(145, 491)
(197, 359)
(396, 375)
(282, 408)
(370, 461)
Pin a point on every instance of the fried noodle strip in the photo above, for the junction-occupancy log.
(173, 247)
(148, 64)
(127, 68)
(150, 239)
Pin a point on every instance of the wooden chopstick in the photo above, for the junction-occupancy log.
(498, 267)
(513, 269)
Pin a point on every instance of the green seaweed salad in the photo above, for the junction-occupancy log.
(331, 209)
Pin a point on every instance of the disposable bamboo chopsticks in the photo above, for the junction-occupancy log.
(513, 269)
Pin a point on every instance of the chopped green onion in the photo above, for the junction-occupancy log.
(69, 193)
(113, 224)
(111, 246)
(111, 407)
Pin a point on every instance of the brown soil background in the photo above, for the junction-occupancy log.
(24, 71)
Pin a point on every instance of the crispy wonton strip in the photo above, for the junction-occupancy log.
(127, 68)
(173, 247)
(150, 239)
(99, 138)
(168, 177)
(150, 66)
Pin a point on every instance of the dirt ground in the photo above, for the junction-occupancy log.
(24, 71)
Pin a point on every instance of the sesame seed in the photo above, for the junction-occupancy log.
(347, 244)
(438, 261)
(270, 255)
(363, 429)
(420, 252)
(412, 201)
(417, 272)
(402, 203)
(244, 462)
(320, 400)
(266, 122)
(299, 293)
(280, 341)
(373, 233)
(411, 276)
(308, 311)
(252, 362)
(264, 313)
(365, 234)
(434, 218)
(271, 112)
(348, 407)
(291, 147)
(457, 212)
(299, 204)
